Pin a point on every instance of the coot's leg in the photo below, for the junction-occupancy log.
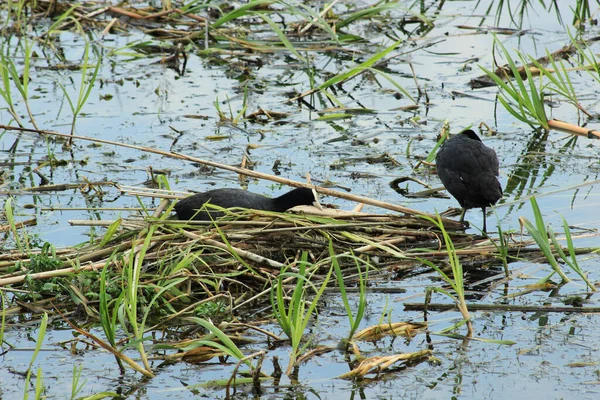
(484, 227)
(462, 215)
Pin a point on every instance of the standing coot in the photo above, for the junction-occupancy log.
(228, 198)
(468, 169)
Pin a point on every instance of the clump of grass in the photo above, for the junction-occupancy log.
(10, 75)
(108, 318)
(502, 248)
(85, 86)
(353, 318)
(231, 118)
(455, 281)
(294, 318)
(215, 338)
(39, 380)
(368, 65)
(586, 59)
(76, 384)
(16, 12)
(559, 81)
(10, 216)
(545, 237)
(523, 101)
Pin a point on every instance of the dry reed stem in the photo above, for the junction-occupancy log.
(407, 329)
(260, 354)
(379, 364)
(573, 129)
(501, 308)
(317, 351)
(51, 274)
(19, 225)
(135, 366)
(242, 253)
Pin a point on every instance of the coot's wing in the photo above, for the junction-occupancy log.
(451, 167)
(225, 198)
(482, 177)
(468, 171)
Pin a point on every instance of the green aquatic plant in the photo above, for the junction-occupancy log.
(130, 303)
(4, 306)
(108, 318)
(139, 296)
(585, 57)
(571, 259)
(525, 101)
(304, 12)
(216, 339)
(366, 65)
(502, 247)
(455, 280)
(240, 114)
(547, 242)
(559, 81)
(76, 384)
(522, 100)
(10, 217)
(39, 380)
(376, 10)
(238, 12)
(354, 316)
(582, 12)
(87, 82)
(16, 12)
(294, 317)
(539, 233)
(288, 45)
(11, 75)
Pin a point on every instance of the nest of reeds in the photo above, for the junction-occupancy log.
(252, 245)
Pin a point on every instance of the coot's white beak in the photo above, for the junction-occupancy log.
(316, 202)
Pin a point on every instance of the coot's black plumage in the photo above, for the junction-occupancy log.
(229, 198)
(469, 170)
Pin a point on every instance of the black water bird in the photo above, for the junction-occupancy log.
(192, 207)
(469, 170)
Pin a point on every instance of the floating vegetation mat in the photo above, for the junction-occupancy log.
(242, 252)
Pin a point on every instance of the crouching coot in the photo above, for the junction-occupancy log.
(189, 207)
(469, 170)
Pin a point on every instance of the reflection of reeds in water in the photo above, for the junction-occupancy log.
(519, 10)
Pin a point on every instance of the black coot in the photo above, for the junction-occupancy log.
(468, 169)
(228, 198)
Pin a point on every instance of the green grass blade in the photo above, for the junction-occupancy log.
(312, 17)
(359, 68)
(342, 286)
(393, 82)
(372, 11)
(245, 9)
(288, 45)
(227, 342)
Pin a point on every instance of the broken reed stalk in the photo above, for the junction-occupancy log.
(19, 225)
(242, 171)
(129, 361)
(499, 308)
(242, 253)
(51, 274)
(573, 129)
